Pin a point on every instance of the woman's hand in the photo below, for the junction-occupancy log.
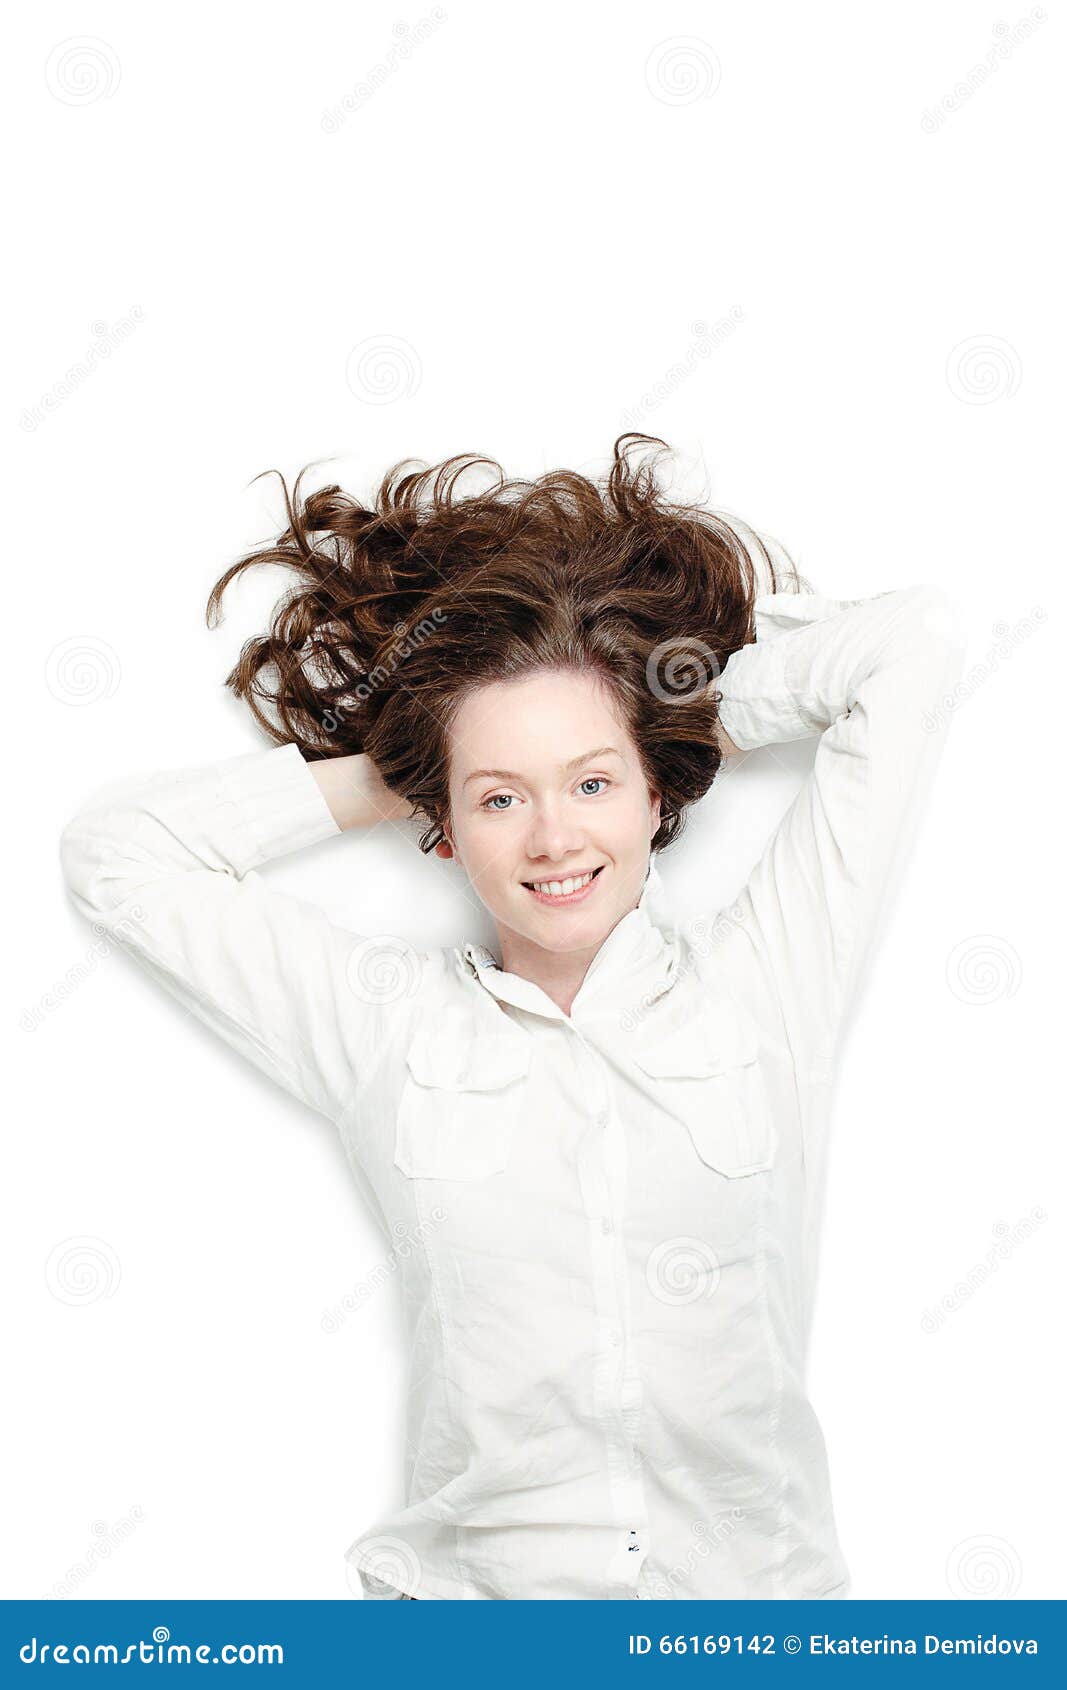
(356, 793)
(725, 743)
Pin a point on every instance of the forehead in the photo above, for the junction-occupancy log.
(535, 722)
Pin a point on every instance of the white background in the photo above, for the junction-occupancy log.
(758, 231)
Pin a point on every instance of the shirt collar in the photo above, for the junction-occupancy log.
(639, 945)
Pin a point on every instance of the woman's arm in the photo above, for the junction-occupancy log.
(166, 863)
(867, 676)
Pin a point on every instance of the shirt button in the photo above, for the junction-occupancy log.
(602, 1118)
(605, 1225)
(614, 1339)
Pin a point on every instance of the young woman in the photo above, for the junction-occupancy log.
(602, 1140)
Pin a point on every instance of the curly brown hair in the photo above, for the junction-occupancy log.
(403, 608)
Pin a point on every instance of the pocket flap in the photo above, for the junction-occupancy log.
(728, 1118)
(483, 1063)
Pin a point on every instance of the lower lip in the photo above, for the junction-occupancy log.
(582, 893)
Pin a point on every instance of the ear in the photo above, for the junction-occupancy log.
(445, 847)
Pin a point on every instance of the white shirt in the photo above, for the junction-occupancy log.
(610, 1219)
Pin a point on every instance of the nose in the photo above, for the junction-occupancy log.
(552, 838)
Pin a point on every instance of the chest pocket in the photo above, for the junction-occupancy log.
(458, 1104)
(708, 1076)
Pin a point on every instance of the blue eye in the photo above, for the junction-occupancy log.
(492, 801)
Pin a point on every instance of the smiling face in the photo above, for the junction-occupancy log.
(546, 786)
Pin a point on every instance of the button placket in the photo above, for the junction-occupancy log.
(603, 1174)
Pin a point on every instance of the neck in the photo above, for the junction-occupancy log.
(559, 974)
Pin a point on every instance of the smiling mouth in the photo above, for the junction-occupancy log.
(577, 885)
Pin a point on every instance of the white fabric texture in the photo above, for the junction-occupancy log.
(609, 1219)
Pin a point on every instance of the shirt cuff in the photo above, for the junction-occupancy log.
(272, 805)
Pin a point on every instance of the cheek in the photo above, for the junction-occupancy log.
(484, 851)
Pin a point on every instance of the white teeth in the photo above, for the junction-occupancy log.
(562, 888)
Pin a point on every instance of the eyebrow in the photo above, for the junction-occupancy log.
(575, 763)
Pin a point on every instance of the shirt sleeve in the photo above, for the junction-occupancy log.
(869, 677)
(166, 864)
